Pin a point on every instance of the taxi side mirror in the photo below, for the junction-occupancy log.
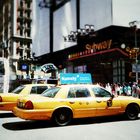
(109, 102)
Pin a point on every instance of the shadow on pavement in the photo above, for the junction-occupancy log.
(26, 125)
(98, 120)
(6, 115)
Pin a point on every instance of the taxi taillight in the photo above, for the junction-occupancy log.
(0, 99)
(28, 105)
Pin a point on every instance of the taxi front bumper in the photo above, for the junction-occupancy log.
(7, 106)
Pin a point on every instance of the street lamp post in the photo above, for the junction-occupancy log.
(137, 49)
(87, 31)
(133, 24)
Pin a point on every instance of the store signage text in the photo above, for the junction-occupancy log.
(99, 46)
(75, 78)
(91, 49)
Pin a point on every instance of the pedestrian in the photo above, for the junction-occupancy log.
(118, 89)
(108, 87)
(125, 89)
(129, 90)
(135, 90)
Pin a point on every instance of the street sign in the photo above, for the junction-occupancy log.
(49, 67)
(135, 67)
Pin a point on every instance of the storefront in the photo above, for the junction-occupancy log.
(103, 57)
(104, 65)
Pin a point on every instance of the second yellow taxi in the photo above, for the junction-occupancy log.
(9, 100)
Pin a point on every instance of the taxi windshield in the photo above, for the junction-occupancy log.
(51, 92)
(18, 89)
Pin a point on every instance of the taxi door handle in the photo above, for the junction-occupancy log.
(98, 101)
(104, 101)
(71, 102)
(80, 103)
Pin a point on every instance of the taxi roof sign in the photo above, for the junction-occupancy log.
(75, 78)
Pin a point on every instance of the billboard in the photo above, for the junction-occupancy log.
(75, 78)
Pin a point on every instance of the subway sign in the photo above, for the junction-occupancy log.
(75, 78)
(92, 49)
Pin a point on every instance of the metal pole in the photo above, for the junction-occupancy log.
(134, 25)
(136, 61)
(136, 67)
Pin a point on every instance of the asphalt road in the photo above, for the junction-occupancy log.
(108, 128)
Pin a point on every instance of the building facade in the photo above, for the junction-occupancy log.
(15, 37)
(75, 35)
(112, 64)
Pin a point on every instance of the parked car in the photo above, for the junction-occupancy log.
(9, 100)
(66, 102)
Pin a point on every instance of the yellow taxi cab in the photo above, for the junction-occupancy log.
(9, 100)
(66, 102)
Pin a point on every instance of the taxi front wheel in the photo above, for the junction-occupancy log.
(132, 112)
(62, 117)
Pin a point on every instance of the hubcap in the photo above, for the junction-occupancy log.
(62, 117)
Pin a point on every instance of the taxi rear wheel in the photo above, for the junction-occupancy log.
(132, 112)
(62, 117)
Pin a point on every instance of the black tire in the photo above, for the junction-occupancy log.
(132, 112)
(62, 117)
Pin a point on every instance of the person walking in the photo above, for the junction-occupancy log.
(135, 90)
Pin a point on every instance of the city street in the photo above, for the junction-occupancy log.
(78, 59)
(108, 128)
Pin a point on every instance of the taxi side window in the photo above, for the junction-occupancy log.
(99, 92)
(78, 93)
(38, 89)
